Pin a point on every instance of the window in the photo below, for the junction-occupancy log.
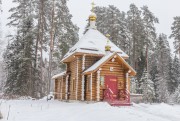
(102, 80)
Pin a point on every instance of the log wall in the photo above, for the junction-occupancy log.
(73, 79)
(72, 67)
(75, 65)
(57, 89)
(59, 83)
(90, 60)
(118, 70)
(88, 87)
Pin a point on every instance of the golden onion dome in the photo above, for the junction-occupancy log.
(107, 47)
(92, 17)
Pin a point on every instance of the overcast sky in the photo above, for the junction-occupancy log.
(165, 10)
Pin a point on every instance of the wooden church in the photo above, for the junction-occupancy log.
(96, 70)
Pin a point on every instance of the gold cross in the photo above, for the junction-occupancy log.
(93, 6)
(107, 35)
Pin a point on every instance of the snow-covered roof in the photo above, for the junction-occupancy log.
(93, 42)
(98, 63)
(104, 59)
(59, 75)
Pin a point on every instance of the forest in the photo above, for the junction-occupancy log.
(45, 32)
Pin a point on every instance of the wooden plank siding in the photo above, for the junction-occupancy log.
(88, 88)
(73, 79)
(89, 61)
(59, 83)
(63, 82)
(79, 78)
(77, 63)
(118, 70)
(57, 89)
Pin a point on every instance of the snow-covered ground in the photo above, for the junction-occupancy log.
(29, 110)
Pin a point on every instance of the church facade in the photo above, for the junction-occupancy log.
(96, 70)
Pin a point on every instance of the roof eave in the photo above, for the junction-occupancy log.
(56, 77)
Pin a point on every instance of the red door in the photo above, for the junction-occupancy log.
(111, 91)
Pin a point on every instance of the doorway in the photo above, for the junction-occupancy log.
(111, 92)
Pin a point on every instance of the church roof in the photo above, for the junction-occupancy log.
(59, 75)
(106, 58)
(93, 42)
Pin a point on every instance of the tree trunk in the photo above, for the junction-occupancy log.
(51, 49)
(41, 41)
(134, 46)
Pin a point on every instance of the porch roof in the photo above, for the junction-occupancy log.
(105, 59)
(59, 75)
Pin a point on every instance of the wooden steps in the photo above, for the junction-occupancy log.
(119, 103)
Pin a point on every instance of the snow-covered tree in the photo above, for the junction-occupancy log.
(62, 33)
(149, 21)
(141, 63)
(0, 28)
(176, 96)
(174, 75)
(176, 33)
(19, 55)
(147, 88)
(135, 25)
(159, 68)
(65, 33)
(2, 76)
(154, 76)
(1, 116)
(37, 21)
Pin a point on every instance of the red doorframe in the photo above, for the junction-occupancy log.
(111, 84)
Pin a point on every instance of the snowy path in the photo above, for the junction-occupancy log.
(61, 111)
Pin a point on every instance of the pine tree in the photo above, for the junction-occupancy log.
(135, 25)
(154, 76)
(147, 88)
(162, 57)
(141, 25)
(2, 75)
(149, 21)
(174, 74)
(176, 34)
(141, 63)
(137, 53)
(65, 33)
(19, 55)
(41, 44)
(1, 116)
(27, 71)
(62, 32)
(176, 96)
(0, 28)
